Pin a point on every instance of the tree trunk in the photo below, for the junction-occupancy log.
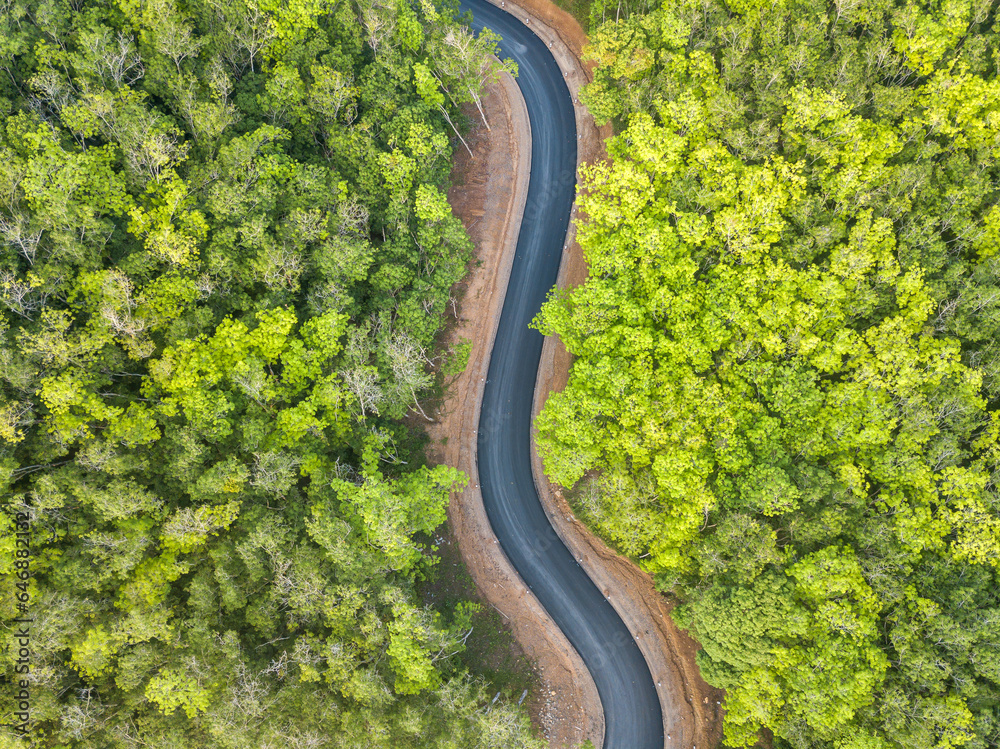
(479, 106)
(455, 129)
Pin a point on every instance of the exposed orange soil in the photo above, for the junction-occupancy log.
(489, 198)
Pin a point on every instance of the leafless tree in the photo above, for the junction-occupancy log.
(379, 21)
(51, 92)
(353, 217)
(19, 296)
(407, 360)
(173, 34)
(118, 305)
(247, 699)
(333, 93)
(363, 384)
(148, 143)
(274, 472)
(113, 58)
(250, 377)
(468, 61)
(279, 265)
(244, 30)
(83, 715)
(205, 119)
(17, 232)
(191, 521)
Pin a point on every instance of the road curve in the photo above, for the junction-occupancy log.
(631, 709)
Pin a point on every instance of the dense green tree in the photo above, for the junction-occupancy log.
(784, 401)
(225, 254)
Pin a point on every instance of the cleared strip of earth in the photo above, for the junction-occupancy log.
(571, 710)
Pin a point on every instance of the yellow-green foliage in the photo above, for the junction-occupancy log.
(225, 257)
(785, 398)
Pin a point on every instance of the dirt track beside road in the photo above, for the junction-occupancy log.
(489, 198)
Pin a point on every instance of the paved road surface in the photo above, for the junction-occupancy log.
(631, 709)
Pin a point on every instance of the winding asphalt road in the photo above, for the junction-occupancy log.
(631, 708)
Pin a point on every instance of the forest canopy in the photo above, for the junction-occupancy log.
(225, 252)
(784, 397)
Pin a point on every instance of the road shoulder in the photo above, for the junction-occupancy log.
(490, 203)
(691, 711)
(489, 199)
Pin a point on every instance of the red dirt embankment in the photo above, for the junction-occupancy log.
(491, 187)
(489, 196)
